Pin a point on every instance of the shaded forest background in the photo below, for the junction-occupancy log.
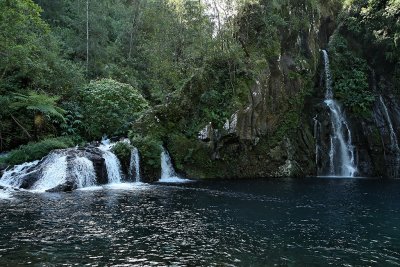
(74, 71)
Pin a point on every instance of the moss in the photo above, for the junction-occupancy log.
(36, 151)
(194, 159)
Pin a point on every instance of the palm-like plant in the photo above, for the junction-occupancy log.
(40, 104)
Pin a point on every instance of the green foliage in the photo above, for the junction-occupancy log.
(150, 150)
(350, 77)
(123, 152)
(32, 72)
(36, 151)
(38, 103)
(109, 106)
(73, 124)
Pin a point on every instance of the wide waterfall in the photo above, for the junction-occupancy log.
(168, 174)
(393, 139)
(341, 154)
(134, 166)
(65, 170)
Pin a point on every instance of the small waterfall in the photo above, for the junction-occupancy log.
(112, 164)
(393, 138)
(54, 173)
(15, 176)
(168, 174)
(84, 173)
(341, 154)
(134, 166)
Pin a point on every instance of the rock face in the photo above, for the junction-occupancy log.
(375, 136)
(283, 128)
(270, 135)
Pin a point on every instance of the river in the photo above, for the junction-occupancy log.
(285, 222)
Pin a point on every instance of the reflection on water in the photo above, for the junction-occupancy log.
(308, 222)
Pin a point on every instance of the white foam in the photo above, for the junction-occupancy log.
(54, 174)
(5, 195)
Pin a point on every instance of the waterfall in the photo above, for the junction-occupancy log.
(393, 137)
(168, 174)
(15, 176)
(328, 76)
(341, 154)
(54, 173)
(112, 164)
(134, 166)
(84, 172)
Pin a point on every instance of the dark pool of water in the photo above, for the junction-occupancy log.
(309, 222)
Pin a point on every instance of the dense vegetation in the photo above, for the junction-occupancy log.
(83, 69)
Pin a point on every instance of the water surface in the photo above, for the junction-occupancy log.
(309, 222)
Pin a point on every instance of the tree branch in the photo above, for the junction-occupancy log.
(22, 127)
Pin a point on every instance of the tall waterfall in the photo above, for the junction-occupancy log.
(112, 164)
(134, 166)
(168, 174)
(341, 154)
(393, 138)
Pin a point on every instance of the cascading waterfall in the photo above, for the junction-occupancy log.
(84, 172)
(54, 174)
(168, 174)
(15, 176)
(112, 164)
(67, 169)
(342, 162)
(393, 138)
(134, 166)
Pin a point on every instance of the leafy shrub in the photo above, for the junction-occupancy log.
(36, 151)
(109, 107)
(123, 152)
(150, 150)
(350, 77)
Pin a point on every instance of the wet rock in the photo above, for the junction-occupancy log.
(68, 186)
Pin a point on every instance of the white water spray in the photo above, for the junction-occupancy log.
(84, 172)
(168, 174)
(112, 164)
(54, 174)
(341, 154)
(15, 176)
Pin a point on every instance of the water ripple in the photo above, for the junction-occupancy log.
(257, 223)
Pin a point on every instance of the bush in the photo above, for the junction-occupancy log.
(109, 107)
(350, 76)
(36, 151)
(150, 150)
(123, 152)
